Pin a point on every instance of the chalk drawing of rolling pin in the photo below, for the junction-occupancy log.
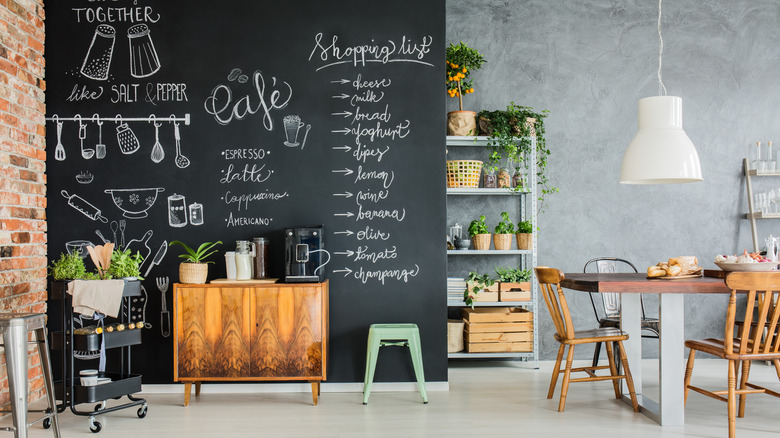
(84, 207)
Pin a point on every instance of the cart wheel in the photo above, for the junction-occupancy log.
(142, 411)
(46, 423)
(100, 406)
(94, 426)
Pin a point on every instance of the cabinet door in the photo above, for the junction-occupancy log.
(213, 332)
(287, 332)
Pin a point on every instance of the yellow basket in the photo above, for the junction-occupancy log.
(463, 174)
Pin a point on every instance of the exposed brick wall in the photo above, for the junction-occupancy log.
(22, 167)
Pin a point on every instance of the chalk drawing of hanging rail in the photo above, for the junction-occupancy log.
(101, 50)
(119, 119)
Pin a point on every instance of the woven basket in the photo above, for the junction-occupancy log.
(193, 273)
(463, 174)
(502, 242)
(481, 241)
(525, 240)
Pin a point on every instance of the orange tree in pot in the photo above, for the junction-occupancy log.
(461, 61)
(194, 269)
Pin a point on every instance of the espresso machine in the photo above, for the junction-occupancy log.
(304, 254)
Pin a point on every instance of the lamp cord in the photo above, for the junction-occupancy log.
(661, 87)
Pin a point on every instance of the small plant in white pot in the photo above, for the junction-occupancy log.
(480, 237)
(194, 269)
(502, 239)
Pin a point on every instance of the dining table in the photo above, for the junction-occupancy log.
(669, 408)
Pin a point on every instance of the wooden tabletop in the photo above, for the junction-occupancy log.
(639, 283)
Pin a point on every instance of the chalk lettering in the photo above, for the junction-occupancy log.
(242, 221)
(220, 103)
(381, 275)
(372, 234)
(79, 94)
(361, 153)
(380, 214)
(244, 200)
(101, 14)
(255, 174)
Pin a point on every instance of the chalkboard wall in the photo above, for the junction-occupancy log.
(201, 121)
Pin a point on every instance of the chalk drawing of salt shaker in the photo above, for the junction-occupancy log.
(177, 211)
(98, 59)
(196, 214)
(143, 56)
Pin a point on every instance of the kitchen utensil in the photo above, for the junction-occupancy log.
(122, 226)
(84, 207)
(101, 236)
(86, 153)
(101, 256)
(141, 245)
(143, 57)
(158, 256)
(747, 267)
(177, 211)
(98, 59)
(59, 150)
(114, 228)
(100, 148)
(157, 151)
(303, 143)
(134, 202)
(78, 247)
(181, 160)
(128, 142)
(165, 316)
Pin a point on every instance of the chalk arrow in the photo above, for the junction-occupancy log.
(347, 270)
(347, 214)
(343, 113)
(345, 171)
(347, 253)
(344, 131)
(347, 232)
(340, 81)
(340, 96)
(345, 194)
(344, 148)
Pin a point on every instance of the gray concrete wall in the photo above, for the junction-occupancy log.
(588, 62)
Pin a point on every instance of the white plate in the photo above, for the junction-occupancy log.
(747, 267)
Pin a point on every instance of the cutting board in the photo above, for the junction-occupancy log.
(250, 281)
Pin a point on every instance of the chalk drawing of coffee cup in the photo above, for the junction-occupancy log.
(292, 125)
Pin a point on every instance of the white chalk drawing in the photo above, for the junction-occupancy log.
(143, 56)
(263, 98)
(98, 60)
(158, 153)
(59, 150)
(85, 177)
(125, 137)
(177, 211)
(78, 247)
(236, 75)
(292, 124)
(403, 50)
(122, 226)
(158, 257)
(141, 245)
(134, 203)
(180, 160)
(100, 148)
(114, 228)
(86, 153)
(165, 315)
(99, 234)
(82, 206)
(196, 213)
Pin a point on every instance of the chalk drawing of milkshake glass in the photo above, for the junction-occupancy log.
(292, 126)
(98, 59)
(143, 56)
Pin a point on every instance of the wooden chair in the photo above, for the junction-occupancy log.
(746, 345)
(550, 283)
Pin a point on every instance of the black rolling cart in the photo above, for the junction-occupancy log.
(74, 349)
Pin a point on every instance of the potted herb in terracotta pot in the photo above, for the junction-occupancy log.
(502, 239)
(479, 234)
(524, 235)
(461, 61)
(194, 270)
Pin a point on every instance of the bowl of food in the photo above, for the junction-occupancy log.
(747, 262)
(134, 202)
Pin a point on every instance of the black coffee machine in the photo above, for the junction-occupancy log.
(304, 252)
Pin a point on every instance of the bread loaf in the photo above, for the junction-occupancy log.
(688, 264)
(655, 271)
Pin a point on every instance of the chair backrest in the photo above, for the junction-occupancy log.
(550, 283)
(610, 300)
(762, 288)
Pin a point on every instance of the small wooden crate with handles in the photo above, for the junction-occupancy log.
(498, 330)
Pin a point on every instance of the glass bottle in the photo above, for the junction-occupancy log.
(243, 260)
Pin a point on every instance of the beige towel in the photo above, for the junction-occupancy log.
(90, 296)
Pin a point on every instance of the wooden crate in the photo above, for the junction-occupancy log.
(505, 286)
(500, 347)
(499, 327)
(500, 337)
(514, 295)
(496, 314)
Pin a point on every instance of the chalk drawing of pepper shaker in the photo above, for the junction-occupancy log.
(143, 57)
(128, 142)
(98, 59)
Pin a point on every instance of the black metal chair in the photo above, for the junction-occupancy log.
(611, 301)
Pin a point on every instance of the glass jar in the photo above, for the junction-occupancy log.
(489, 178)
(518, 180)
(243, 260)
(261, 257)
(504, 178)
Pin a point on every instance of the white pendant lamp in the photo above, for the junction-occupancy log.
(661, 152)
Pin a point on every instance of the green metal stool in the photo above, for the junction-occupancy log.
(401, 335)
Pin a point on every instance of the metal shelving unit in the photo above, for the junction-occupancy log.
(528, 257)
(752, 214)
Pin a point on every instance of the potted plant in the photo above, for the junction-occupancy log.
(510, 134)
(515, 284)
(502, 238)
(68, 267)
(524, 235)
(480, 236)
(461, 61)
(194, 269)
(479, 287)
(126, 265)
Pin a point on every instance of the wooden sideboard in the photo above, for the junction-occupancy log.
(250, 332)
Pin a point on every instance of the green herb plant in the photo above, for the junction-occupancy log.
(478, 226)
(461, 61)
(199, 255)
(505, 226)
(513, 275)
(524, 227)
(125, 264)
(68, 267)
(475, 283)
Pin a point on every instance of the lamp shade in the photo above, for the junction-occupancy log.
(661, 152)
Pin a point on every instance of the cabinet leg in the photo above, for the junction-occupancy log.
(187, 389)
(197, 389)
(315, 390)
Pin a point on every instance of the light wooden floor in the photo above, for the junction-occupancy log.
(486, 399)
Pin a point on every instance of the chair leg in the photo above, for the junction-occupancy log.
(629, 379)
(613, 370)
(777, 367)
(566, 377)
(688, 373)
(743, 385)
(371, 356)
(415, 349)
(15, 343)
(596, 354)
(732, 402)
(556, 371)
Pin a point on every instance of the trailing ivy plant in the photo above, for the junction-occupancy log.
(475, 283)
(510, 139)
